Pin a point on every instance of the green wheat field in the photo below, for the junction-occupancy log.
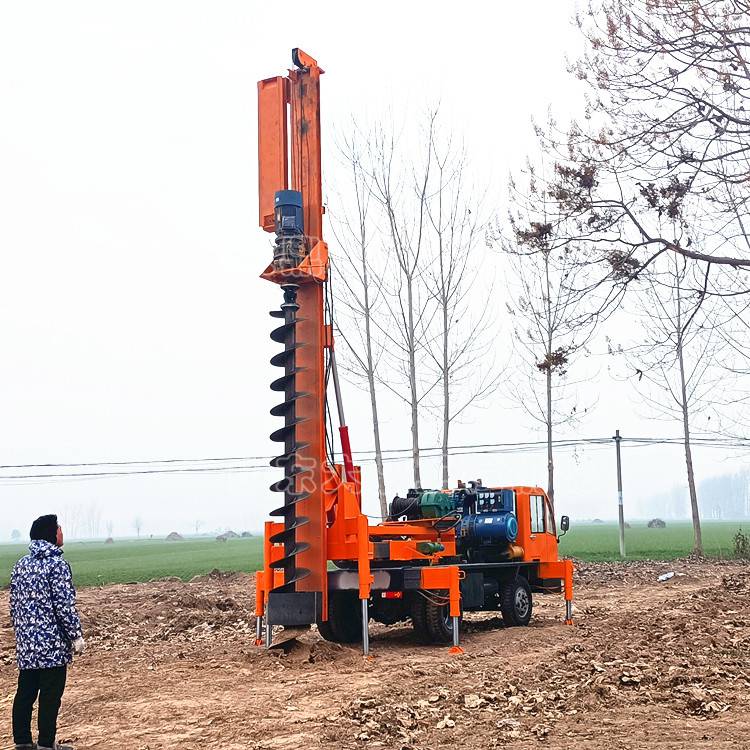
(96, 563)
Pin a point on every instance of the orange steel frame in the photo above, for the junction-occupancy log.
(289, 131)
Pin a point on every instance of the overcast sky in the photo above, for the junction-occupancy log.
(133, 324)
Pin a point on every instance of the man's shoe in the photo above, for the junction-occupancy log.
(57, 746)
(32, 746)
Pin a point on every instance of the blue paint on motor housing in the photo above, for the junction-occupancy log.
(288, 218)
(490, 528)
(287, 210)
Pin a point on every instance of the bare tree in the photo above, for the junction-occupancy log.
(412, 280)
(110, 529)
(361, 292)
(726, 496)
(138, 525)
(15, 535)
(462, 348)
(658, 165)
(665, 134)
(552, 321)
(73, 516)
(198, 526)
(675, 363)
(734, 333)
(401, 188)
(93, 520)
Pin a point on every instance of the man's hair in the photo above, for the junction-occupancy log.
(45, 527)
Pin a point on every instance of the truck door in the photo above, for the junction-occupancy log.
(542, 544)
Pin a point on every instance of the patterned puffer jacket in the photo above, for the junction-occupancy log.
(43, 608)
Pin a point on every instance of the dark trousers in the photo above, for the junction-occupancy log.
(49, 685)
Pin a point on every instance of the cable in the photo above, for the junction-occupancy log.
(133, 462)
(329, 446)
(433, 598)
(426, 453)
(185, 469)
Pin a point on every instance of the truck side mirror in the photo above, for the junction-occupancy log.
(564, 524)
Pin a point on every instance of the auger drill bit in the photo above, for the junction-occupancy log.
(288, 461)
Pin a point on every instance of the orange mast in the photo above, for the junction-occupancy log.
(289, 123)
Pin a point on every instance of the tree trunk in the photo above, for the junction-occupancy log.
(550, 333)
(371, 385)
(550, 460)
(446, 397)
(697, 538)
(378, 451)
(413, 398)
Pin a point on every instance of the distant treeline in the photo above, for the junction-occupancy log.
(723, 497)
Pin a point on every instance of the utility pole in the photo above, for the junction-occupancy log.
(620, 512)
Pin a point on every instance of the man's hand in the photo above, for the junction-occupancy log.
(79, 646)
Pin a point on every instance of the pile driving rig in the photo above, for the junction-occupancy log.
(440, 552)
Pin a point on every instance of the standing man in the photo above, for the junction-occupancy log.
(48, 633)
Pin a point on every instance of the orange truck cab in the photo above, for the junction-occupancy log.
(537, 531)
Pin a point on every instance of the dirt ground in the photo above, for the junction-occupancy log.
(647, 665)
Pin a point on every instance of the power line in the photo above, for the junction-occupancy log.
(145, 462)
(132, 462)
(167, 466)
(531, 445)
(133, 472)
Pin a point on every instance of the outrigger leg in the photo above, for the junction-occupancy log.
(365, 627)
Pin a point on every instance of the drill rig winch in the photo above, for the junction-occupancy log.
(439, 553)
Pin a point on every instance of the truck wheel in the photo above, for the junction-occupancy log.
(344, 623)
(419, 617)
(439, 621)
(515, 602)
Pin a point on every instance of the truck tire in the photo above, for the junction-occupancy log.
(438, 622)
(344, 623)
(419, 617)
(515, 601)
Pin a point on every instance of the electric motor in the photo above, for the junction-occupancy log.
(489, 528)
(289, 227)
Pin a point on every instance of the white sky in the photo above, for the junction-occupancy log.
(133, 324)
